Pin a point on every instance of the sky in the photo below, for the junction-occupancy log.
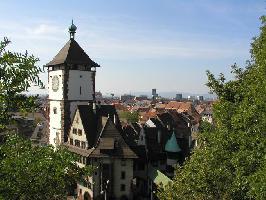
(140, 44)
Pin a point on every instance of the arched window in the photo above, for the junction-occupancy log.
(55, 110)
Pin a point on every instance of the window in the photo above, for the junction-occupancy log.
(74, 131)
(79, 132)
(83, 145)
(123, 175)
(122, 187)
(71, 141)
(55, 110)
(123, 162)
(77, 143)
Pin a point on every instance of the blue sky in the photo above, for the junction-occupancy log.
(140, 44)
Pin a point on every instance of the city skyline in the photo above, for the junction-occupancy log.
(142, 45)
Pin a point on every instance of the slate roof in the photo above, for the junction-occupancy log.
(131, 137)
(153, 147)
(120, 148)
(72, 53)
(90, 119)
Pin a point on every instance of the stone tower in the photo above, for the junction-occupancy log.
(71, 82)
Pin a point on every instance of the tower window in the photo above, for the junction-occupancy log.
(80, 90)
(123, 162)
(123, 175)
(79, 132)
(55, 110)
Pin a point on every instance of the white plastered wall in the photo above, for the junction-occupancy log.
(128, 168)
(55, 121)
(79, 79)
(58, 95)
(78, 125)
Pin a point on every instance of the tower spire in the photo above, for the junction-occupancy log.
(72, 30)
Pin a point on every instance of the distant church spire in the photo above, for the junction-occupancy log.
(72, 30)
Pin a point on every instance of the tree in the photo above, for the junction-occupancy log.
(17, 73)
(129, 117)
(34, 172)
(231, 161)
(28, 171)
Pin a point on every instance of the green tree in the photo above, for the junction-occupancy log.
(28, 171)
(231, 160)
(34, 172)
(17, 73)
(130, 117)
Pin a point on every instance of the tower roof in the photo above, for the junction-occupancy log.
(171, 145)
(72, 53)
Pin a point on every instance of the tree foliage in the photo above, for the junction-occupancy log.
(28, 171)
(34, 172)
(17, 73)
(130, 117)
(231, 160)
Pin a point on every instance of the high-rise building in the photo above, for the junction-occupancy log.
(178, 97)
(200, 98)
(153, 92)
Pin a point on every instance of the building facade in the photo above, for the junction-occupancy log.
(71, 82)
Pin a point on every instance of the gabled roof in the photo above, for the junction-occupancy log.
(89, 122)
(120, 148)
(89, 119)
(72, 53)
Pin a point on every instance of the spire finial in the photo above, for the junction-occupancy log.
(72, 30)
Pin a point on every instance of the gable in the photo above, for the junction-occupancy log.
(109, 136)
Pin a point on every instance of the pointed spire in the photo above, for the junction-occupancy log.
(72, 30)
(171, 145)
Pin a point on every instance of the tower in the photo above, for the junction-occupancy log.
(71, 82)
